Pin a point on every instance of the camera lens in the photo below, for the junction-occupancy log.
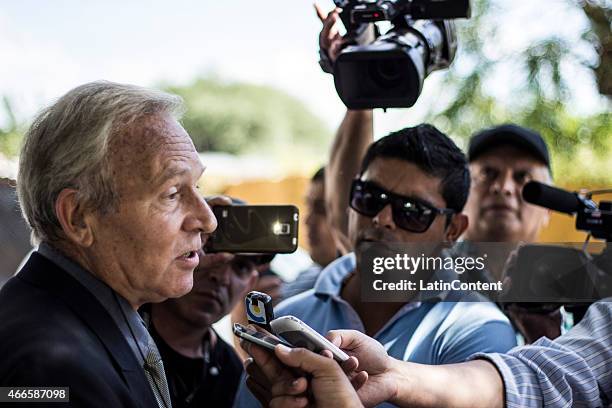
(386, 73)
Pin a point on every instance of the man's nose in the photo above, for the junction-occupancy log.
(201, 217)
(505, 184)
(384, 218)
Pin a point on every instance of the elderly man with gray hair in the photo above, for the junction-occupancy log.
(108, 182)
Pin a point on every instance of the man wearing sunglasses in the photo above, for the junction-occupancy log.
(411, 189)
(502, 160)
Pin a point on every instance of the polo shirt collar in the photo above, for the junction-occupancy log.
(329, 282)
(330, 279)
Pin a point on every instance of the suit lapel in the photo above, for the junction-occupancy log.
(45, 274)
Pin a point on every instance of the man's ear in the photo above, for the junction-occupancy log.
(457, 226)
(73, 218)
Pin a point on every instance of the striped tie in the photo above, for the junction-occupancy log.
(154, 370)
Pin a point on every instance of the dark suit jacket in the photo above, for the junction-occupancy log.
(54, 332)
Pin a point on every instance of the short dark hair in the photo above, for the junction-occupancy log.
(319, 175)
(434, 153)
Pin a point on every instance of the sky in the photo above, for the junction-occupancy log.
(49, 47)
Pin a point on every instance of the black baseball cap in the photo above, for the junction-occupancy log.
(522, 138)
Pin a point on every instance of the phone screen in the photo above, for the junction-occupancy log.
(255, 229)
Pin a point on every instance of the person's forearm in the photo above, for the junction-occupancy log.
(472, 384)
(354, 136)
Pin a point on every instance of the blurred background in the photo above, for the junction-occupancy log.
(263, 114)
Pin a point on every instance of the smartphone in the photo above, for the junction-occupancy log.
(259, 229)
(259, 338)
(299, 334)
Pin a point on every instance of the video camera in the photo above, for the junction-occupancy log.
(547, 276)
(389, 72)
(594, 219)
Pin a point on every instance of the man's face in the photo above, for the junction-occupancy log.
(320, 239)
(216, 290)
(406, 179)
(147, 249)
(495, 206)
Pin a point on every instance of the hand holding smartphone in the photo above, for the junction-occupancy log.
(295, 333)
(260, 229)
(291, 331)
(299, 334)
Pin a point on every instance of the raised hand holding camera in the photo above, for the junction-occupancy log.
(388, 71)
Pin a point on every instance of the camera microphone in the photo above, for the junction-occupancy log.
(550, 197)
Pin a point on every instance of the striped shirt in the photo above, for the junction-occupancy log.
(575, 370)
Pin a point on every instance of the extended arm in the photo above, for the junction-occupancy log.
(352, 139)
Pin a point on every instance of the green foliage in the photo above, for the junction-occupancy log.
(599, 13)
(245, 118)
(10, 137)
(234, 118)
(539, 99)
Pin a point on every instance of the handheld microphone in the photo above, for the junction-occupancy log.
(553, 198)
(259, 309)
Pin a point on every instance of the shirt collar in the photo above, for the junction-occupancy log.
(97, 287)
(330, 279)
(115, 304)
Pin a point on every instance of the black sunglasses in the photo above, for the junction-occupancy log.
(410, 214)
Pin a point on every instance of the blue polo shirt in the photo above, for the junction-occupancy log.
(441, 332)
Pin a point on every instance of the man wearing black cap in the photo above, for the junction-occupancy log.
(502, 160)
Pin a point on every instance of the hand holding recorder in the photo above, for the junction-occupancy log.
(297, 377)
(279, 379)
(291, 330)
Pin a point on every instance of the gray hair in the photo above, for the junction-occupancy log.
(67, 147)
